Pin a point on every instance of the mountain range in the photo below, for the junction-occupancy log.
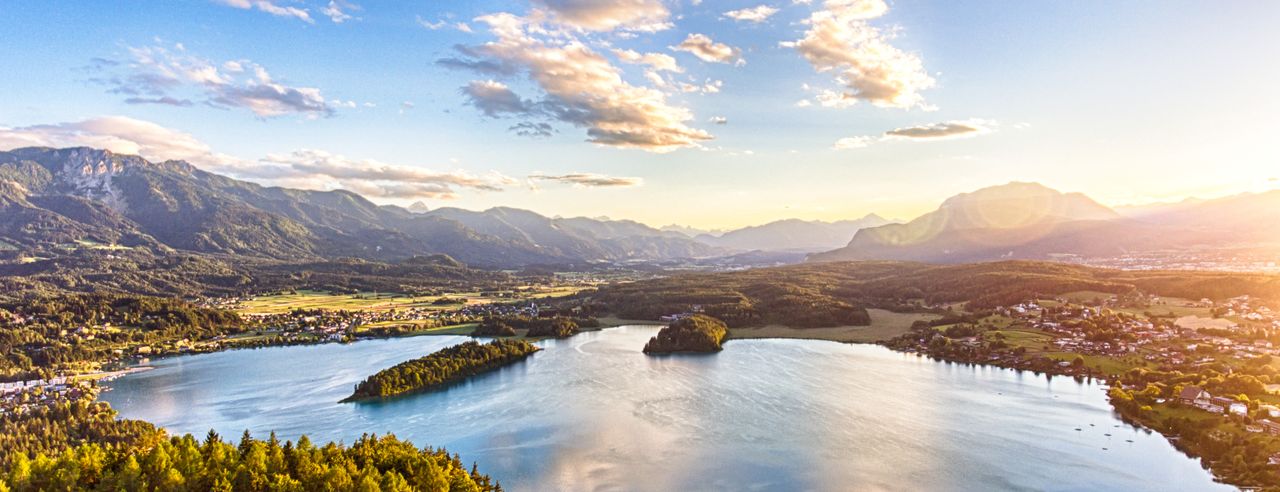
(793, 235)
(1031, 221)
(55, 202)
(55, 199)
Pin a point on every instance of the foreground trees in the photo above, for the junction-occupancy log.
(696, 333)
(444, 367)
(371, 463)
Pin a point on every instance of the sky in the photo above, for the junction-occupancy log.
(713, 114)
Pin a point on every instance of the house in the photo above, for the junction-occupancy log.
(1238, 408)
(1271, 427)
(1194, 396)
(1271, 410)
(1223, 403)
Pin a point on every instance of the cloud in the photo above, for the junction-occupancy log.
(656, 61)
(119, 134)
(607, 15)
(940, 131)
(270, 8)
(853, 142)
(494, 99)
(840, 39)
(589, 180)
(532, 129)
(579, 86)
(719, 120)
(165, 100)
(440, 24)
(306, 169)
(707, 50)
(318, 169)
(161, 75)
(756, 14)
(947, 130)
(337, 11)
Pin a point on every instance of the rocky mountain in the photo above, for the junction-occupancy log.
(1030, 221)
(53, 199)
(793, 235)
(1015, 220)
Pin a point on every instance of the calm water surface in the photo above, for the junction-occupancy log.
(593, 413)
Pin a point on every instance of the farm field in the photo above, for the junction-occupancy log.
(884, 325)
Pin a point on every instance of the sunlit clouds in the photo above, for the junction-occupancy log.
(868, 67)
(119, 134)
(757, 14)
(606, 15)
(317, 169)
(705, 49)
(170, 75)
(578, 86)
(307, 169)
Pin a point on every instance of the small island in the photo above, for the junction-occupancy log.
(441, 368)
(696, 333)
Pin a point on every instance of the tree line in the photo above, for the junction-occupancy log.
(443, 367)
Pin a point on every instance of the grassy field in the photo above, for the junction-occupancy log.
(1170, 306)
(308, 299)
(884, 325)
(1196, 322)
(368, 301)
(1086, 295)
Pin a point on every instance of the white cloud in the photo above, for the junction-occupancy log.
(307, 169)
(338, 11)
(119, 134)
(607, 15)
(853, 142)
(719, 120)
(270, 7)
(707, 50)
(433, 26)
(840, 39)
(656, 61)
(318, 169)
(757, 14)
(160, 75)
(579, 86)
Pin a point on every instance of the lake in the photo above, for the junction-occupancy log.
(593, 413)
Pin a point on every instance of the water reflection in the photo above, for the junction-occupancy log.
(593, 413)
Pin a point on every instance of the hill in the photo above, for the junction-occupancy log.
(1030, 221)
(53, 198)
(793, 235)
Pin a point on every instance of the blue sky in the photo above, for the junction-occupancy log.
(1129, 102)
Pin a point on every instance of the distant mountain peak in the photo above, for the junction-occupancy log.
(419, 208)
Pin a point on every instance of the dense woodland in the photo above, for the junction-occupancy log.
(837, 294)
(78, 444)
(185, 274)
(440, 368)
(41, 335)
(371, 463)
(552, 327)
(697, 333)
(51, 429)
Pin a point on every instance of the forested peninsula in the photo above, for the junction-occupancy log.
(444, 367)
